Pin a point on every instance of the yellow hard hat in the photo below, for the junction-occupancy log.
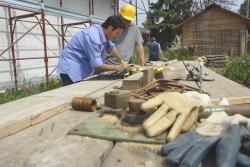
(128, 12)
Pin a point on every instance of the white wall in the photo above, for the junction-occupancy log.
(31, 45)
(103, 8)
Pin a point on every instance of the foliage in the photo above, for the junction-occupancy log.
(180, 54)
(164, 16)
(28, 90)
(54, 83)
(135, 59)
(243, 9)
(238, 70)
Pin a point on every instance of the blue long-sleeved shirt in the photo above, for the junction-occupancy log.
(85, 51)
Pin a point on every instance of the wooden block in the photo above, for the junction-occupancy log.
(117, 99)
(160, 75)
(148, 76)
(133, 82)
(135, 105)
(132, 85)
(171, 74)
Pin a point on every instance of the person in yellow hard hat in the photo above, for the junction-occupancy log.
(130, 39)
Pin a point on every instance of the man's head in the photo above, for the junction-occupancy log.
(128, 13)
(153, 39)
(113, 27)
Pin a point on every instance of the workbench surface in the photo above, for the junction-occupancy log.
(47, 143)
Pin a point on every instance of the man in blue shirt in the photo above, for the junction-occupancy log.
(155, 52)
(84, 55)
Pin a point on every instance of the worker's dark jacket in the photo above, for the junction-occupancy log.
(153, 51)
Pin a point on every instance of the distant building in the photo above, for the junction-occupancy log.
(31, 61)
(27, 64)
(215, 31)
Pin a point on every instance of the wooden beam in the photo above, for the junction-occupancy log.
(133, 82)
(15, 122)
(233, 100)
(148, 76)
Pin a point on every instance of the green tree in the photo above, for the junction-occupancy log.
(243, 9)
(164, 15)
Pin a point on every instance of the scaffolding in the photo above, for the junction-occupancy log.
(42, 22)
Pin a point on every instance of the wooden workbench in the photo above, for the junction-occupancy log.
(46, 143)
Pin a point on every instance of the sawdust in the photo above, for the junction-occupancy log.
(128, 128)
(118, 124)
(146, 147)
(109, 118)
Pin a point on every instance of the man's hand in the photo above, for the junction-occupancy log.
(123, 66)
(117, 55)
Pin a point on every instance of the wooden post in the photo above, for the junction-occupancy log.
(148, 76)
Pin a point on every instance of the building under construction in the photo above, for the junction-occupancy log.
(215, 31)
(33, 32)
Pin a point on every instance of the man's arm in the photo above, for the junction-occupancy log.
(140, 53)
(109, 67)
(161, 54)
(116, 54)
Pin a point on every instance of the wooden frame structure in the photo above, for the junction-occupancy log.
(215, 31)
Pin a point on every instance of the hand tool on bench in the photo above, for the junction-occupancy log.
(242, 109)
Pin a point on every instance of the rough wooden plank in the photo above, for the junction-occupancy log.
(84, 88)
(217, 58)
(46, 144)
(20, 104)
(71, 151)
(134, 155)
(217, 62)
(214, 56)
(220, 87)
(233, 100)
(20, 114)
(15, 122)
(65, 94)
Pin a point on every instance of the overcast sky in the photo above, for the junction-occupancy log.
(142, 6)
(236, 8)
